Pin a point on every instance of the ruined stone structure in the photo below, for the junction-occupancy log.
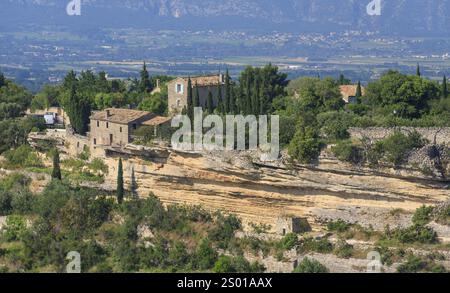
(287, 225)
(178, 91)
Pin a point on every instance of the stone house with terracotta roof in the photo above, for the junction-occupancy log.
(114, 127)
(178, 90)
(348, 93)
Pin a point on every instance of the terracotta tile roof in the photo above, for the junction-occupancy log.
(350, 91)
(206, 80)
(120, 116)
(157, 120)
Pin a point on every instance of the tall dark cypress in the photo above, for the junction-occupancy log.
(220, 100)
(227, 93)
(248, 96)
(120, 189)
(232, 101)
(444, 88)
(255, 99)
(210, 103)
(190, 102)
(145, 83)
(418, 73)
(56, 173)
(2, 80)
(197, 97)
(358, 90)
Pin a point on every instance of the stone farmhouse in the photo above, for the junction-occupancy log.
(114, 127)
(178, 90)
(348, 93)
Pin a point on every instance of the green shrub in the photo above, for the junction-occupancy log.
(205, 256)
(22, 157)
(14, 229)
(289, 241)
(348, 152)
(414, 234)
(416, 264)
(398, 146)
(311, 266)
(338, 226)
(422, 216)
(321, 245)
(224, 230)
(227, 264)
(343, 249)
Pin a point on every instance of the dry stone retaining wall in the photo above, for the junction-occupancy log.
(377, 133)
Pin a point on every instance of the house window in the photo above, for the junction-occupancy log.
(134, 126)
(179, 88)
(120, 129)
(98, 123)
(107, 125)
(111, 138)
(95, 141)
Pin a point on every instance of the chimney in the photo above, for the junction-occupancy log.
(108, 113)
(221, 79)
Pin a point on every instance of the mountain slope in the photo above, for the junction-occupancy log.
(411, 17)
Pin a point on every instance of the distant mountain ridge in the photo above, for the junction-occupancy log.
(399, 17)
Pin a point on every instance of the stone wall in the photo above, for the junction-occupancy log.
(76, 144)
(377, 133)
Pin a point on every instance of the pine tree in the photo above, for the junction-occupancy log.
(190, 102)
(227, 93)
(56, 173)
(145, 84)
(444, 88)
(418, 70)
(197, 97)
(210, 103)
(2, 80)
(120, 189)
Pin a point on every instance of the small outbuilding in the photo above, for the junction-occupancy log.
(287, 224)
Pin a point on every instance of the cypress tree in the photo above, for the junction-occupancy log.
(255, 99)
(145, 83)
(79, 110)
(232, 101)
(120, 189)
(220, 100)
(227, 93)
(56, 173)
(2, 80)
(210, 103)
(196, 97)
(444, 88)
(418, 70)
(190, 102)
(359, 90)
(248, 97)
